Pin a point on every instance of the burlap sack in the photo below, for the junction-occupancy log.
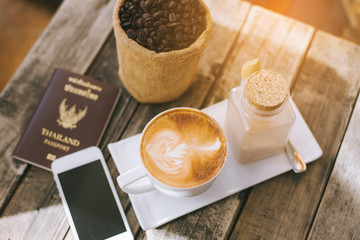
(157, 77)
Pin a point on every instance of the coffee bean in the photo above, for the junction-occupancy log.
(148, 4)
(179, 37)
(165, 42)
(186, 23)
(194, 30)
(172, 4)
(142, 35)
(179, 29)
(170, 37)
(158, 14)
(139, 23)
(162, 29)
(182, 45)
(192, 13)
(146, 31)
(126, 24)
(146, 15)
(163, 25)
(172, 17)
(150, 42)
(157, 24)
(174, 24)
(131, 33)
(193, 22)
(187, 30)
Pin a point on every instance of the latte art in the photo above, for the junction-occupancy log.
(166, 153)
(183, 149)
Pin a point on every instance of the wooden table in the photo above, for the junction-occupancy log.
(324, 73)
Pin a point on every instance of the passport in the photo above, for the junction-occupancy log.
(71, 115)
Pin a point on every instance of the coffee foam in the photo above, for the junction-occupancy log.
(184, 149)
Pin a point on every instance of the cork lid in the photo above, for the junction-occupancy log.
(266, 90)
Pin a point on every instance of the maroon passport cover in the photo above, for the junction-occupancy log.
(71, 115)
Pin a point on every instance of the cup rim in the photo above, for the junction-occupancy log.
(177, 109)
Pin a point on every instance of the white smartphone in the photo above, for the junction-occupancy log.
(89, 196)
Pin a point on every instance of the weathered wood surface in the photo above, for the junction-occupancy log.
(323, 70)
(215, 221)
(325, 91)
(62, 45)
(201, 224)
(33, 208)
(279, 42)
(338, 216)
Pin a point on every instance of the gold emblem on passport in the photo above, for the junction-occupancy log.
(50, 157)
(69, 117)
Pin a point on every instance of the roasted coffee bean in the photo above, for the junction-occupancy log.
(179, 37)
(148, 4)
(187, 30)
(172, 4)
(162, 29)
(146, 31)
(131, 33)
(193, 22)
(170, 37)
(142, 35)
(165, 42)
(194, 30)
(163, 25)
(158, 14)
(186, 15)
(186, 23)
(139, 23)
(157, 24)
(193, 13)
(126, 24)
(149, 23)
(146, 16)
(172, 17)
(173, 24)
(150, 42)
(179, 29)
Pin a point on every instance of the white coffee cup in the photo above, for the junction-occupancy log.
(182, 150)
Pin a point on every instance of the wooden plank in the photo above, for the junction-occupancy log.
(280, 43)
(338, 216)
(104, 68)
(220, 216)
(228, 17)
(17, 218)
(325, 91)
(69, 42)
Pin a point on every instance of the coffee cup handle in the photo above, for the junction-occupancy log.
(126, 180)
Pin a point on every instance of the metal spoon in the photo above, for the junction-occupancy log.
(294, 158)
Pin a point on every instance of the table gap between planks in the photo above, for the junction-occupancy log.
(322, 70)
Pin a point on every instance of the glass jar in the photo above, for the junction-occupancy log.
(259, 116)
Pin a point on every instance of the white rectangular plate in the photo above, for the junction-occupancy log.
(154, 208)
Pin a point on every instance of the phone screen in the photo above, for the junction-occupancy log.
(91, 202)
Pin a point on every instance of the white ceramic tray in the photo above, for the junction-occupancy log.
(154, 208)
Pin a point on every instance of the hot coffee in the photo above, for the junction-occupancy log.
(183, 148)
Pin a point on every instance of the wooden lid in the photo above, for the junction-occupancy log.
(266, 90)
